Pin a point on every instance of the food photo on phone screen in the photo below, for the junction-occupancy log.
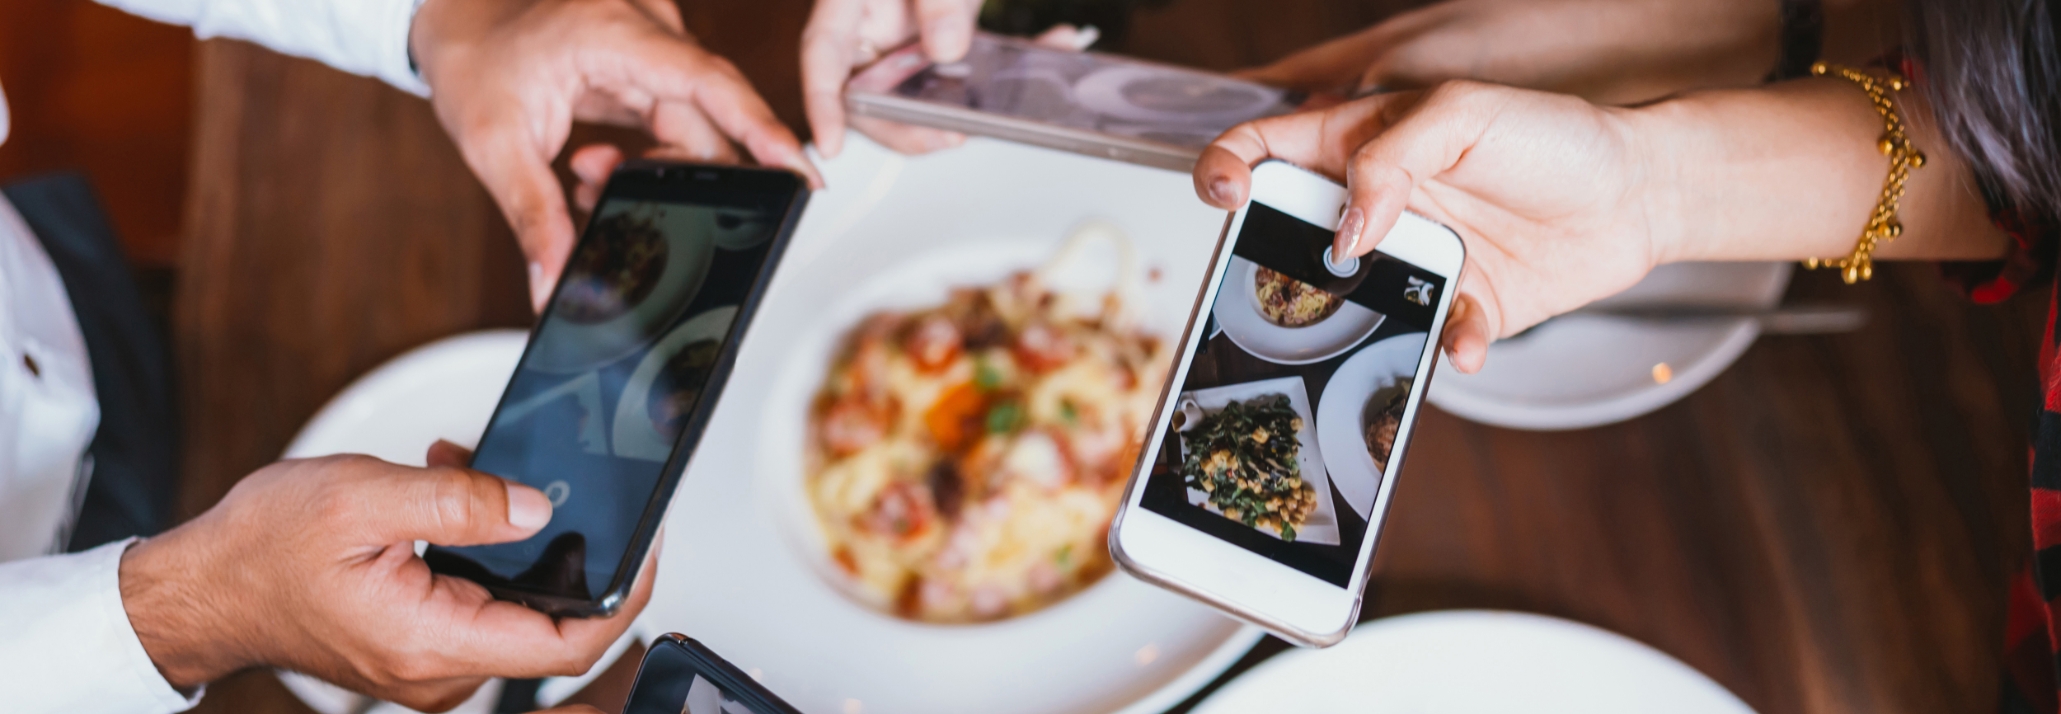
(1282, 431)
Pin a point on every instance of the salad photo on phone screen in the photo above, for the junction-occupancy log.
(1281, 433)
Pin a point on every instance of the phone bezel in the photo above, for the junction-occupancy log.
(707, 663)
(1295, 605)
(645, 179)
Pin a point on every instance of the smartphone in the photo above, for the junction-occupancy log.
(680, 676)
(1085, 102)
(621, 372)
(1288, 415)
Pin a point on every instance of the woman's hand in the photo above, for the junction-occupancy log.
(844, 35)
(510, 77)
(1549, 193)
(1562, 202)
(1611, 51)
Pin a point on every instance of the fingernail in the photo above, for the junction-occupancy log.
(945, 32)
(1220, 189)
(536, 275)
(1349, 227)
(1086, 36)
(528, 509)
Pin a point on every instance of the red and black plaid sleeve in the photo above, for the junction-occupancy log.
(2030, 657)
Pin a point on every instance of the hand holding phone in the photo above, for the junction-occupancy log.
(622, 372)
(1273, 456)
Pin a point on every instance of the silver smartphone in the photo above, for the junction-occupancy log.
(1085, 102)
(1288, 416)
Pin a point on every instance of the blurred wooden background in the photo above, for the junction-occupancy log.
(1829, 527)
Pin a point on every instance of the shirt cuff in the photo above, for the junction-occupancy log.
(364, 37)
(66, 642)
(396, 63)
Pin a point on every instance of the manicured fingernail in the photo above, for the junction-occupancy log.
(1220, 189)
(528, 509)
(536, 275)
(1349, 227)
(1086, 36)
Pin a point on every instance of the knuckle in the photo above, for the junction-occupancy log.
(452, 499)
(410, 665)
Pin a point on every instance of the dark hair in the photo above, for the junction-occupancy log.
(1992, 69)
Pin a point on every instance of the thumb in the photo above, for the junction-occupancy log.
(1466, 338)
(456, 507)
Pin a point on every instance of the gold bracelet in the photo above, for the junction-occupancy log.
(1895, 144)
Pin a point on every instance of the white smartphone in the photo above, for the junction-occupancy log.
(1085, 102)
(1288, 414)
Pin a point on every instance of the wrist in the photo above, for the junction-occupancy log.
(1655, 136)
(166, 592)
(443, 28)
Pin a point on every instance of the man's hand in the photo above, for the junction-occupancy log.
(1609, 51)
(310, 566)
(509, 78)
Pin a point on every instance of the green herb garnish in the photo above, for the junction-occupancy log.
(1005, 417)
(1244, 458)
(985, 377)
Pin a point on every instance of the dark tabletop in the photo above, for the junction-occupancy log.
(1830, 526)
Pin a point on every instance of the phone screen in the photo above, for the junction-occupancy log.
(1096, 92)
(619, 364)
(1294, 397)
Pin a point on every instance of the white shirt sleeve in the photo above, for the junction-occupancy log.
(66, 644)
(365, 37)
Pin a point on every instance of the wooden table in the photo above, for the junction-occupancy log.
(1828, 527)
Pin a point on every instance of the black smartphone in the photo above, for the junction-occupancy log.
(680, 676)
(622, 372)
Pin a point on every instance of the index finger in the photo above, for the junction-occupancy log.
(1321, 141)
(825, 64)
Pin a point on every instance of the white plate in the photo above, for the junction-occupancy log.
(1239, 317)
(1476, 662)
(1321, 527)
(740, 569)
(1581, 371)
(1341, 414)
(443, 390)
